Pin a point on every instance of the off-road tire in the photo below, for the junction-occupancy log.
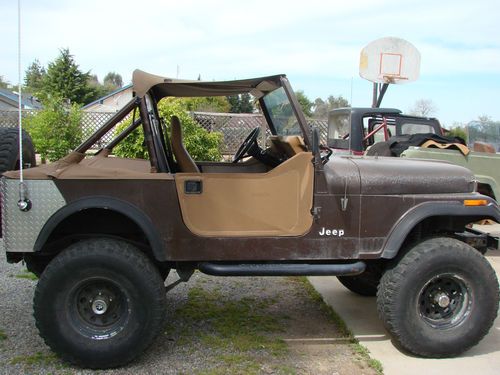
(365, 284)
(439, 270)
(9, 150)
(100, 303)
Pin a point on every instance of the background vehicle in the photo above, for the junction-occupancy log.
(356, 129)
(377, 131)
(103, 232)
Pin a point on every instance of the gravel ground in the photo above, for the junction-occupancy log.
(297, 333)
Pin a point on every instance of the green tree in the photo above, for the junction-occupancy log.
(234, 103)
(33, 77)
(113, 80)
(3, 84)
(246, 105)
(200, 143)
(55, 130)
(240, 103)
(65, 80)
(424, 108)
(457, 131)
(323, 107)
(205, 104)
(304, 102)
(95, 89)
(484, 130)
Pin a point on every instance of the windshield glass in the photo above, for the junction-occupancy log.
(281, 113)
(339, 127)
(409, 128)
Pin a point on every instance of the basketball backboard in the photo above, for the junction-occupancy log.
(390, 60)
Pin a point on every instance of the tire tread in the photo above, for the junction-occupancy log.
(102, 247)
(390, 282)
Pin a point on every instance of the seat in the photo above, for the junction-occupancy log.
(184, 160)
(289, 145)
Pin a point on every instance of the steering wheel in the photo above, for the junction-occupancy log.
(247, 144)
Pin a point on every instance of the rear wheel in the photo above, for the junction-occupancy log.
(9, 150)
(100, 303)
(440, 299)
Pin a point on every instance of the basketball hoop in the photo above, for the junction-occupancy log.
(389, 60)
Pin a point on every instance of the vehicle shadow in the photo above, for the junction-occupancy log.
(361, 317)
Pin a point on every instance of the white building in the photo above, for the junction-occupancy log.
(112, 102)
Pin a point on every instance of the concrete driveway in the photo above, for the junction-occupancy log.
(360, 315)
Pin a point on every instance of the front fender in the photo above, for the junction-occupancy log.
(491, 182)
(426, 210)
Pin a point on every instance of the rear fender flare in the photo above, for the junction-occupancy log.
(107, 203)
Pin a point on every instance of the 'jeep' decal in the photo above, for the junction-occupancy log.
(331, 232)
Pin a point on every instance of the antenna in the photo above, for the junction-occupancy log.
(24, 204)
(350, 120)
(20, 92)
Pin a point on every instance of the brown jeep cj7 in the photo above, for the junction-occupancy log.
(103, 232)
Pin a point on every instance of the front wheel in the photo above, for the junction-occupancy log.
(440, 299)
(99, 303)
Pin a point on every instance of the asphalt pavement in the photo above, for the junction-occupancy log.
(360, 315)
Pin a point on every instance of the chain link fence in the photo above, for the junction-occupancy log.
(10, 119)
(233, 126)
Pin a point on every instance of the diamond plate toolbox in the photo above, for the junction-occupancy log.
(21, 229)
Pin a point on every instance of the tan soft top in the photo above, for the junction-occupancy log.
(164, 86)
(76, 166)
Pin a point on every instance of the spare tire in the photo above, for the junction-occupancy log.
(9, 150)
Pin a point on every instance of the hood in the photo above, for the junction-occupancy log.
(396, 176)
(389, 175)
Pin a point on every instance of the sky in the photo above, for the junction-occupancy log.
(316, 43)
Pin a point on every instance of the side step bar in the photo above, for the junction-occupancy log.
(281, 269)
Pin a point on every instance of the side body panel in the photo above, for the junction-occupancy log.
(334, 235)
(353, 218)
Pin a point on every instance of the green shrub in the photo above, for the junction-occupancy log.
(55, 130)
(133, 146)
(200, 143)
(457, 132)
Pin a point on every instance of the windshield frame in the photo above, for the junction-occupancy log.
(296, 111)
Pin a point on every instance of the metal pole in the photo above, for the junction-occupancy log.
(384, 88)
(375, 94)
